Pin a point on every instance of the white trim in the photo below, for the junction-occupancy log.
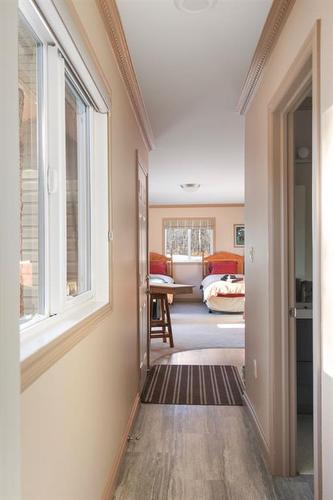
(44, 357)
(56, 166)
(65, 312)
(277, 17)
(187, 259)
(54, 12)
(101, 220)
(39, 336)
(115, 32)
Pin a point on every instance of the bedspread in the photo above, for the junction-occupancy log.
(224, 289)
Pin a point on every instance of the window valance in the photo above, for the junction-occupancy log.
(189, 223)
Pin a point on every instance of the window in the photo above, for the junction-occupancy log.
(77, 192)
(187, 239)
(31, 166)
(63, 158)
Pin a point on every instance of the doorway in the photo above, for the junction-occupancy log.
(197, 257)
(142, 250)
(294, 302)
(300, 284)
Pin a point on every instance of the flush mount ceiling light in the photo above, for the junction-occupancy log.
(190, 188)
(194, 6)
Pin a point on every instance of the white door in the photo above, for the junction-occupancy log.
(142, 198)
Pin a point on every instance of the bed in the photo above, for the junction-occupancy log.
(161, 270)
(223, 282)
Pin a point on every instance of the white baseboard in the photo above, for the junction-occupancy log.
(114, 472)
(259, 431)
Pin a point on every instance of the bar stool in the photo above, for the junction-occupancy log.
(160, 319)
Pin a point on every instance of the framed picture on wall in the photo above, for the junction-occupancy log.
(239, 235)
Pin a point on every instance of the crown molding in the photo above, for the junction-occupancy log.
(275, 21)
(115, 31)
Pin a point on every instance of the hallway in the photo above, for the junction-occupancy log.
(166, 237)
(199, 452)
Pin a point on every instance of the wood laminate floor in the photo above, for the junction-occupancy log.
(193, 452)
(199, 452)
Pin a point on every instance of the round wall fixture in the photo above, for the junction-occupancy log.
(194, 6)
(303, 153)
(190, 187)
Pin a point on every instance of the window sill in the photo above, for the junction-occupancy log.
(42, 348)
(187, 262)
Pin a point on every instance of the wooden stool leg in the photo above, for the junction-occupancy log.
(169, 321)
(163, 318)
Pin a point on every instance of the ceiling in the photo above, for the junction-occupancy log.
(191, 68)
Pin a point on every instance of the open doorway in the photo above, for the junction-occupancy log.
(295, 338)
(201, 246)
(301, 279)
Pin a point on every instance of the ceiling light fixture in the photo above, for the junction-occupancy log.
(190, 187)
(194, 6)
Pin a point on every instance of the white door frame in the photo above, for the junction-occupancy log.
(304, 72)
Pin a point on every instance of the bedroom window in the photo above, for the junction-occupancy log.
(63, 177)
(187, 239)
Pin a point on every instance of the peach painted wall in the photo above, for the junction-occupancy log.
(225, 218)
(294, 34)
(75, 414)
(10, 450)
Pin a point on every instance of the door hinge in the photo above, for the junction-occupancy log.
(292, 312)
(110, 235)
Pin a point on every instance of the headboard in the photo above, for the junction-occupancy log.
(162, 259)
(220, 257)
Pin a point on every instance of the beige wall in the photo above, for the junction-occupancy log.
(225, 218)
(74, 416)
(295, 32)
(10, 454)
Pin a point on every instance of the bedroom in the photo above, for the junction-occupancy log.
(202, 246)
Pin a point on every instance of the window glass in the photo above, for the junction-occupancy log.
(201, 241)
(188, 243)
(77, 192)
(63, 147)
(31, 220)
(177, 242)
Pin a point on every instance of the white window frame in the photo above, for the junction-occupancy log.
(43, 36)
(62, 311)
(187, 258)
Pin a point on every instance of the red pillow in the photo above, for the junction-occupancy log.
(225, 267)
(158, 268)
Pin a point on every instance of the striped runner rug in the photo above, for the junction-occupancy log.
(193, 385)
